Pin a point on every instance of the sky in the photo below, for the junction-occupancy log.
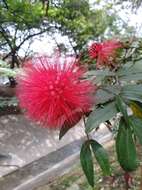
(47, 44)
(134, 19)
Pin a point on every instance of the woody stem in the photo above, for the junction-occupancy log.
(87, 135)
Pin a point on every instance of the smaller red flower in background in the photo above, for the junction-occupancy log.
(53, 92)
(104, 52)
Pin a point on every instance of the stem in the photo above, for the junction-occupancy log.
(87, 135)
(128, 180)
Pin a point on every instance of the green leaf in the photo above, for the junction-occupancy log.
(122, 107)
(125, 148)
(8, 101)
(130, 71)
(106, 94)
(100, 74)
(100, 115)
(131, 77)
(87, 162)
(3, 64)
(68, 124)
(132, 92)
(136, 123)
(102, 96)
(101, 157)
(105, 72)
(7, 72)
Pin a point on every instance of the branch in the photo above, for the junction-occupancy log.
(31, 36)
(5, 36)
(3, 44)
(15, 35)
(26, 53)
(74, 49)
(5, 3)
(24, 40)
(6, 56)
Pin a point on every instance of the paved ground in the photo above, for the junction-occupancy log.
(25, 141)
(37, 151)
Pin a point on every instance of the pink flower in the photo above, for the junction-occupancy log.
(53, 92)
(104, 52)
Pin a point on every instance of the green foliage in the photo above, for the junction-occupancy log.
(101, 75)
(90, 148)
(101, 156)
(119, 96)
(130, 71)
(81, 23)
(87, 162)
(125, 148)
(22, 20)
(106, 94)
(122, 108)
(23, 13)
(5, 101)
(100, 115)
(132, 92)
(5, 70)
(136, 124)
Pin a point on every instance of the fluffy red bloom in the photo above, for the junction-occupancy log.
(104, 52)
(53, 92)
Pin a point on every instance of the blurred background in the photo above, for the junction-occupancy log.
(31, 27)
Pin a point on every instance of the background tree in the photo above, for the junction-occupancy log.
(82, 23)
(22, 21)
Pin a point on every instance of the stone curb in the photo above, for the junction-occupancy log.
(42, 170)
(45, 169)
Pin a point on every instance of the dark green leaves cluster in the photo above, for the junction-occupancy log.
(22, 20)
(23, 14)
(124, 100)
(125, 148)
(90, 148)
(129, 127)
(79, 22)
(100, 115)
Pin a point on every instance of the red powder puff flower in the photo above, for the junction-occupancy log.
(53, 92)
(104, 52)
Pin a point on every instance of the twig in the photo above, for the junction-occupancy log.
(87, 135)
